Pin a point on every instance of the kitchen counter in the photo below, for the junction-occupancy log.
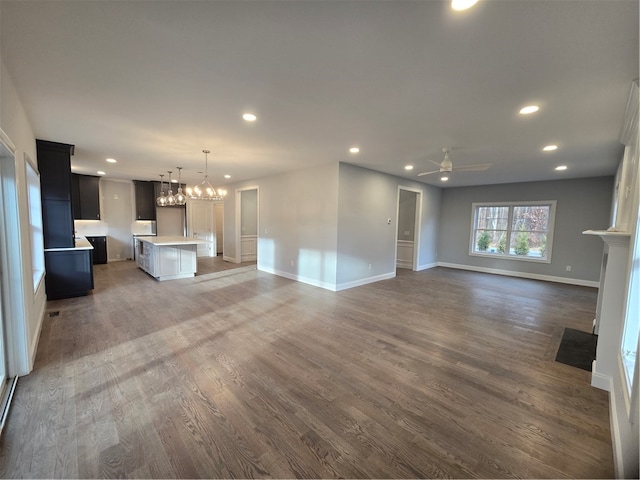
(171, 240)
(81, 243)
(167, 257)
(69, 271)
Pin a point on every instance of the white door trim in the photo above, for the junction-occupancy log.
(417, 225)
(238, 215)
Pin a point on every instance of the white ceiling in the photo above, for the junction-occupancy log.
(152, 84)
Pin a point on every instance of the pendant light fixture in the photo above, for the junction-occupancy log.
(180, 197)
(205, 190)
(161, 201)
(171, 200)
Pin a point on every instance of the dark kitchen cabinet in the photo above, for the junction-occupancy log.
(85, 196)
(145, 200)
(54, 165)
(99, 245)
(69, 273)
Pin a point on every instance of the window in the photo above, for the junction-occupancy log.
(35, 219)
(518, 231)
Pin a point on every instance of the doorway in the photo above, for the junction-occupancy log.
(247, 224)
(201, 225)
(408, 233)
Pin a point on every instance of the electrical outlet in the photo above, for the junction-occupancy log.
(369, 266)
(292, 263)
(568, 268)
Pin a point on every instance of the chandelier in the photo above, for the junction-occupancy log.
(161, 201)
(171, 200)
(205, 190)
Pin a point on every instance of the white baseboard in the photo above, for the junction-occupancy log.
(365, 281)
(532, 276)
(298, 278)
(600, 380)
(616, 440)
(426, 267)
(230, 259)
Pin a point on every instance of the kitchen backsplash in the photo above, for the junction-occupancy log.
(91, 228)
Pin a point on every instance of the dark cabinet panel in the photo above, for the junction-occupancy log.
(145, 200)
(69, 273)
(57, 224)
(54, 165)
(85, 194)
(99, 249)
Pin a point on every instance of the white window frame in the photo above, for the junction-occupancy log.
(508, 256)
(35, 220)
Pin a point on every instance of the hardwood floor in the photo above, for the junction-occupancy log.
(440, 373)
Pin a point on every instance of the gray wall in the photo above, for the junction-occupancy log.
(582, 204)
(330, 221)
(367, 199)
(297, 232)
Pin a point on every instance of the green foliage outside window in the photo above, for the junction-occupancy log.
(483, 241)
(522, 243)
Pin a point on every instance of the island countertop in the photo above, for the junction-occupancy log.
(170, 240)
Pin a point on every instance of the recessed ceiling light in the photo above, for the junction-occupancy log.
(550, 148)
(408, 167)
(227, 176)
(249, 117)
(561, 167)
(462, 4)
(173, 180)
(112, 160)
(100, 172)
(354, 150)
(444, 179)
(529, 109)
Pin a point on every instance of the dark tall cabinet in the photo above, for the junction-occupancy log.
(54, 165)
(69, 271)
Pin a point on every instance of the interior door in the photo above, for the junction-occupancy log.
(201, 226)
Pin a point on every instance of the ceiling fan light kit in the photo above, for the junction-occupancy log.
(446, 166)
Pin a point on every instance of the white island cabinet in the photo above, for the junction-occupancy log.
(167, 258)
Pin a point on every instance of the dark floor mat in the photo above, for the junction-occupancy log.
(577, 349)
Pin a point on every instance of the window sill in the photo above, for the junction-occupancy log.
(517, 258)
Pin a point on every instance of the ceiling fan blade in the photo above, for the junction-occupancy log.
(473, 168)
(428, 173)
(437, 164)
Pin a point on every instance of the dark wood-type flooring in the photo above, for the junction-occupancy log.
(440, 373)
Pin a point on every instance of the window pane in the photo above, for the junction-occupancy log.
(490, 241)
(532, 218)
(492, 218)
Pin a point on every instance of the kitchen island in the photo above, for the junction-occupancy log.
(167, 258)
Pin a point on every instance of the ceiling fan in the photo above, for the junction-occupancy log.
(446, 166)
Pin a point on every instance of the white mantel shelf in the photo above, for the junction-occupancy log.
(611, 237)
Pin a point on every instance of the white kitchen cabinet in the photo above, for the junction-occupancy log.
(167, 258)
